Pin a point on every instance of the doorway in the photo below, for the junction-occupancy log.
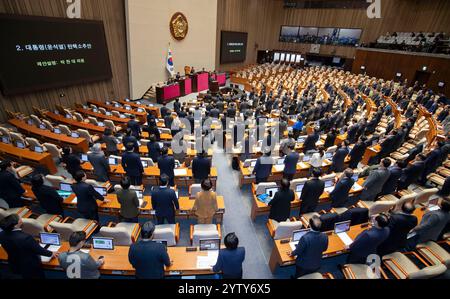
(422, 77)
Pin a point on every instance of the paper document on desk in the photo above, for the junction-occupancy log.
(180, 172)
(329, 189)
(293, 245)
(356, 187)
(206, 262)
(345, 238)
(303, 165)
(279, 168)
(75, 200)
(52, 248)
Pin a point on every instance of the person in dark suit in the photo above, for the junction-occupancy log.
(231, 111)
(129, 138)
(154, 149)
(131, 163)
(338, 161)
(230, 259)
(331, 138)
(263, 167)
(70, 161)
(100, 163)
(166, 165)
(148, 257)
(310, 141)
(311, 192)
(374, 183)
(357, 152)
(177, 105)
(280, 205)
(353, 131)
(165, 201)
(395, 172)
(400, 224)
(367, 242)
(152, 129)
(290, 163)
(386, 146)
(432, 162)
(339, 195)
(134, 126)
(86, 197)
(310, 249)
(47, 197)
(412, 173)
(201, 167)
(433, 223)
(445, 190)
(129, 202)
(24, 252)
(164, 111)
(10, 189)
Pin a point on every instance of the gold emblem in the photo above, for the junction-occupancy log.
(179, 26)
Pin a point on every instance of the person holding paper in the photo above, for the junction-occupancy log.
(367, 242)
(310, 249)
(230, 260)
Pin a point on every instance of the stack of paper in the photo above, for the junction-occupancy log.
(356, 187)
(206, 262)
(345, 238)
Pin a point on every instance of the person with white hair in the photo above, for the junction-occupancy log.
(99, 162)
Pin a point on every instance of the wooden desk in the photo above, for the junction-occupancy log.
(116, 120)
(74, 124)
(27, 156)
(116, 261)
(371, 151)
(151, 109)
(78, 144)
(259, 208)
(141, 116)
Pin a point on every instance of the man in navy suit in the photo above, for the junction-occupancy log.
(357, 152)
(201, 167)
(290, 163)
(367, 242)
(310, 141)
(310, 248)
(395, 172)
(10, 189)
(47, 197)
(131, 163)
(129, 138)
(86, 197)
(263, 167)
(166, 165)
(413, 172)
(230, 260)
(311, 192)
(400, 224)
(165, 201)
(148, 257)
(339, 156)
(134, 126)
(339, 195)
(24, 252)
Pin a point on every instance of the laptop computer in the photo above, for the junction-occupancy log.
(39, 149)
(65, 187)
(5, 140)
(75, 135)
(299, 188)
(20, 145)
(144, 163)
(101, 124)
(103, 243)
(84, 158)
(113, 161)
(329, 184)
(49, 239)
(328, 155)
(296, 236)
(306, 158)
(209, 244)
(57, 131)
(42, 127)
(101, 190)
(342, 227)
(280, 161)
(271, 191)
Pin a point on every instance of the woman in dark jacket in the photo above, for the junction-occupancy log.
(280, 206)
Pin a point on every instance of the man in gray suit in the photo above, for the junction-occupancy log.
(374, 183)
(99, 162)
(433, 223)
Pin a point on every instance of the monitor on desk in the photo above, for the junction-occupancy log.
(253, 163)
(280, 161)
(42, 127)
(113, 161)
(101, 124)
(5, 140)
(95, 110)
(103, 243)
(75, 135)
(306, 158)
(209, 244)
(328, 155)
(57, 131)
(301, 139)
(39, 149)
(329, 184)
(84, 158)
(299, 188)
(20, 144)
(108, 113)
(298, 234)
(271, 191)
(355, 177)
(144, 163)
(342, 227)
(122, 116)
(30, 122)
(50, 239)
(139, 194)
(140, 110)
(101, 190)
(164, 242)
(65, 187)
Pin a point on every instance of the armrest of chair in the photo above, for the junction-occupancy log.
(388, 266)
(191, 233)
(219, 231)
(304, 222)
(348, 273)
(111, 224)
(67, 219)
(135, 233)
(328, 275)
(89, 233)
(270, 227)
(177, 232)
(425, 248)
(47, 227)
(361, 204)
(27, 214)
(414, 254)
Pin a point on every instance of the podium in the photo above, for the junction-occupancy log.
(214, 86)
(165, 94)
(185, 86)
(200, 82)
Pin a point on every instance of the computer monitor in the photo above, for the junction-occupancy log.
(50, 239)
(253, 163)
(328, 155)
(329, 184)
(20, 144)
(5, 139)
(42, 127)
(57, 131)
(301, 139)
(84, 158)
(128, 108)
(108, 113)
(101, 124)
(103, 243)
(209, 244)
(101, 190)
(139, 194)
(342, 227)
(68, 116)
(30, 122)
(112, 161)
(140, 110)
(299, 188)
(355, 177)
(298, 234)
(122, 116)
(75, 135)
(280, 161)
(306, 158)
(65, 187)
(271, 191)
(95, 110)
(162, 242)
(39, 149)
(144, 163)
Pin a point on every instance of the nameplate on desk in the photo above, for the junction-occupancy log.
(183, 212)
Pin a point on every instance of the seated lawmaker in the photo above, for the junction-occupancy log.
(148, 257)
(230, 259)
(310, 249)
(10, 189)
(47, 196)
(280, 205)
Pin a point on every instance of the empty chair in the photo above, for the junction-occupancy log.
(124, 234)
(317, 275)
(54, 151)
(56, 180)
(261, 187)
(403, 268)
(359, 271)
(23, 212)
(85, 134)
(24, 170)
(39, 225)
(5, 132)
(423, 196)
(203, 232)
(110, 124)
(66, 229)
(78, 117)
(331, 150)
(116, 113)
(328, 177)
(194, 189)
(33, 142)
(48, 125)
(165, 131)
(64, 129)
(102, 110)
(93, 120)
(16, 137)
(36, 120)
(377, 207)
(283, 230)
(167, 232)
(434, 254)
